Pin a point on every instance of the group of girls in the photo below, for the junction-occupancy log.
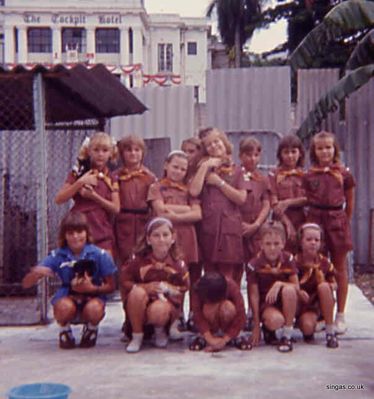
(208, 213)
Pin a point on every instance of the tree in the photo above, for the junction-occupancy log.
(346, 20)
(234, 22)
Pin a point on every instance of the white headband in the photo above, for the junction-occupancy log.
(311, 225)
(176, 152)
(157, 220)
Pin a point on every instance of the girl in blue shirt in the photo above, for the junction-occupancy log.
(86, 273)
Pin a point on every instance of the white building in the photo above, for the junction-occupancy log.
(142, 48)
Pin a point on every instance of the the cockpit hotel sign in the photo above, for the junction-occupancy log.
(78, 19)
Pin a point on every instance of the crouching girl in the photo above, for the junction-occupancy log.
(317, 284)
(155, 282)
(87, 274)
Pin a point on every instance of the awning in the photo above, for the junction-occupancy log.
(72, 93)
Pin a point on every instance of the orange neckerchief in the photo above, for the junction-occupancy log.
(282, 174)
(172, 184)
(104, 176)
(311, 268)
(248, 176)
(127, 175)
(268, 269)
(334, 170)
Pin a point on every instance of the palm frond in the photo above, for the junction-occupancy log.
(363, 54)
(347, 17)
(330, 101)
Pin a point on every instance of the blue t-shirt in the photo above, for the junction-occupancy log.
(61, 262)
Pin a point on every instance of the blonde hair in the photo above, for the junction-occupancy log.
(273, 227)
(98, 137)
(204, 133)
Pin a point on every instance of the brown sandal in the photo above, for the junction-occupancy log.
(89, 338)
(285, 345)
(66, 340)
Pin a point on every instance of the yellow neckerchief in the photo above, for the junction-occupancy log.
(104, 176)
(248, 176)
(126, 175)
(282, 174)
(268, 269)
(309, 269)
(172, 184)
(334, 170)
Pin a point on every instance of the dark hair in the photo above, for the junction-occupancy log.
(273, 227)
(192, 140)
(73, 221)
(127, 142)
(211, 287)
(249, 144)
(291, 141)
(321, 136)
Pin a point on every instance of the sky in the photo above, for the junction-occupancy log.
(263, 40)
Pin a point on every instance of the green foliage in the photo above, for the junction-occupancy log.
(330, 102)
(342, 23)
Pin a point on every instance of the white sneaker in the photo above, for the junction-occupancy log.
(174, 333)
(135, 344)
(321, 325)
(161, 338)
(340, 327)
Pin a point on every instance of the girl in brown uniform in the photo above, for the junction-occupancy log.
(329, 188)
(219, 185)
(317, 283)
(288, 196)
(170, 198)
(134, 180)
(95, 193)
(155, 282)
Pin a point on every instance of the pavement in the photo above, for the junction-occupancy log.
(30, 354)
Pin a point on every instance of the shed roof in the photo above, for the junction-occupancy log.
(72, 93)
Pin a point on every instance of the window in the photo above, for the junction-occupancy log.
(191, 48)
(74, 39)
(165, 57)
(107, 40)
(39, 40)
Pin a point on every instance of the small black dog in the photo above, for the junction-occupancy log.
(83, 266)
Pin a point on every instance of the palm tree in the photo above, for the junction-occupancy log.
(235, 18)
(345, 20)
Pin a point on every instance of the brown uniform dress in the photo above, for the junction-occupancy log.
(99, 220)
(260, 271)
(148, 269)
(310, 276)
(135, 213)
(286, 184)
(258, 191)
(177, 194)
(325, 191)
(233, 294)
(220, 232)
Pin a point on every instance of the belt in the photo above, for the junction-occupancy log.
(140, 211)
(327, 207)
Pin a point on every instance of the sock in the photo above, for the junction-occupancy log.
(329, 329)
(135, 343)
(92, 327)
(287, 332)
(339, 317)
(66, 327)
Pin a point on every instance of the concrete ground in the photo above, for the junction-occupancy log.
(30, 354)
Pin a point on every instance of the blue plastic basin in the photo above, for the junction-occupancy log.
(40, 391)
